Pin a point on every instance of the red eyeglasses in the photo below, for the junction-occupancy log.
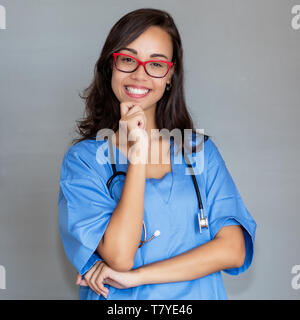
(154, 68)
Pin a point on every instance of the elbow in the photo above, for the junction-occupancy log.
(114, 260)
(234, 244)
(236, 254)
(121, 265)
(240, 256)
(238, 249)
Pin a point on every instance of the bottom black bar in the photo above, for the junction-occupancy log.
(154, 309)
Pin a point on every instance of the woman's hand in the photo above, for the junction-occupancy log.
(134, 122)
(101, 274)
(133, 115)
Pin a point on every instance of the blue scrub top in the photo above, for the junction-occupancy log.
(85, 206)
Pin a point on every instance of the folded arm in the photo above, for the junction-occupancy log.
(226, 250)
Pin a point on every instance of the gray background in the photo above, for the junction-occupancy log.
(242, 86)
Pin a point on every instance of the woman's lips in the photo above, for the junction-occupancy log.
(134, 95)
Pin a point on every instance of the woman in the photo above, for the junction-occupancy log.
(102, 225)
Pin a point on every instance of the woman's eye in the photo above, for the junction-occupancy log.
(127, 59)
(155, 64)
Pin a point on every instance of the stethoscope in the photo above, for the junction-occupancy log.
(203, 221)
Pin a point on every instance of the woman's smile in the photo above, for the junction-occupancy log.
(134, 92)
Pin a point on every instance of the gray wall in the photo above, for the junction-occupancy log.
(242, 86)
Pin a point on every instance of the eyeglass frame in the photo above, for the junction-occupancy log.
(143, 63)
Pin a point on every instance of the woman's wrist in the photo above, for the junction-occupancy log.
(139, 276)
(138, 153)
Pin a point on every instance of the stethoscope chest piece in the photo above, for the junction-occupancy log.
(203, 221)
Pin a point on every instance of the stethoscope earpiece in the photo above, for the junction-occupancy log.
(156, 233)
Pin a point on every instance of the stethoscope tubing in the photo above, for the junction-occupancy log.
(202, 220)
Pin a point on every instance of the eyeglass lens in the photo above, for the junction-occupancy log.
(127, 64)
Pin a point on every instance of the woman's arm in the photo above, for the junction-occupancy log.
(226, 250)
(122, 237)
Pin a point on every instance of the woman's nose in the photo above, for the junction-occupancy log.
(140, 73)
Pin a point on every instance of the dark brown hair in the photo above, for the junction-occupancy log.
(103, 108)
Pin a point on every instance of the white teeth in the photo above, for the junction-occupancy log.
(136, 91)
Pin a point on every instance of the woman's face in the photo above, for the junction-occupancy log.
(153, 40)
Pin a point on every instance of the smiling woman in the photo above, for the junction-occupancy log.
(143, 34)
(154, 79)
(138, 82)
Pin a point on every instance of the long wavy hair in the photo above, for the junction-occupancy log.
(102, 108)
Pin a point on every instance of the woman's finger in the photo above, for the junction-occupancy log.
(104, 294)
(89, 273)
(133, 110)
(99, 282)
(126, 107)
(80, 281)
(83, 283)
(88, 276)
(78, 278)
(138, 121)
(98, 279)
(94, 277)
(91, 282)
(113, 283)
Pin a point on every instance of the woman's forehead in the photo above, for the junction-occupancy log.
(135, 52)
(153, 41)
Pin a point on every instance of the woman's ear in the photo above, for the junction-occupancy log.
(172, 70)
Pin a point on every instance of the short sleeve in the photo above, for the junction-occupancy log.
(225, 206)
(84, 210)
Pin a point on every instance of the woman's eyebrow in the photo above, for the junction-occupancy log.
(153, 55)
